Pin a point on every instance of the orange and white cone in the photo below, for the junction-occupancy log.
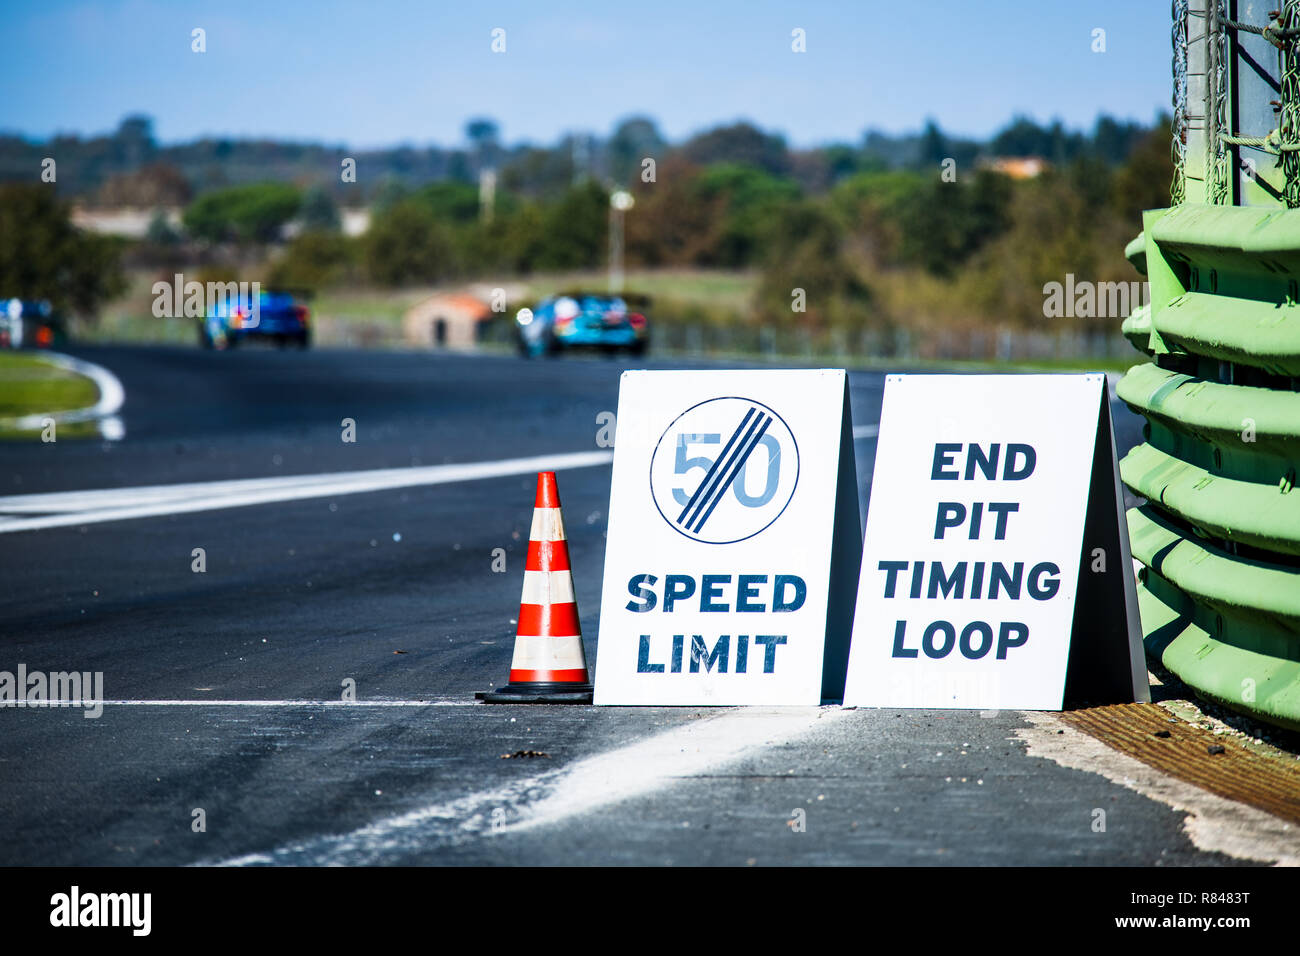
(549, 666)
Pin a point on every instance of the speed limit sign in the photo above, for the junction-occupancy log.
(734, 539)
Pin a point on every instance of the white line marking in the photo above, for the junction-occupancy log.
(622, 774)
(119, 504)
(1214, 824)
(432, 702)
(866, 431)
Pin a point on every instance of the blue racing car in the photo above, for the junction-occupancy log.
(278, 318)
(584, 320)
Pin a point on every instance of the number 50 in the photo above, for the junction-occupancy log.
(682, 464)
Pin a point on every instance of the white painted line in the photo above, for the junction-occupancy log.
(119, 504)
(653, 763)
(111, 397)
(866, 431)
(1214, 824)
(432, 702)
(587, 785)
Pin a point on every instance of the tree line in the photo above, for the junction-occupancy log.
(888, 231)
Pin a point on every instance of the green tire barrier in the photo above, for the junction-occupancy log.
(1218, 536)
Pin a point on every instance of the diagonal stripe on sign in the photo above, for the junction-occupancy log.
(735, 471)
(717, 463)
(714, 487)
(728, 473)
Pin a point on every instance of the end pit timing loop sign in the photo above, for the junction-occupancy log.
(996, 570)
(734, 540)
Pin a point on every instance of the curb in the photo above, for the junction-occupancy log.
(111, 398)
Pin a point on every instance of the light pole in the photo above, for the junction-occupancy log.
(487, 194)
(620, 201)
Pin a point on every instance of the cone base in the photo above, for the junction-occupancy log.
(538, 692)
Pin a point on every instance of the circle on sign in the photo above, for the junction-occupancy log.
(724, 470)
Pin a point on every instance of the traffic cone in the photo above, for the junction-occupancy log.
(549, 666)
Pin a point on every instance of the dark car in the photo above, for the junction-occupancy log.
(25, 323)
(584, 320)
(279, 318)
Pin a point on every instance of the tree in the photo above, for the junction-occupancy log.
(536, 172)
(43, 256)
(1053, 231)
(253, 213)
(934, 148)
(407, 244)
(944, 224)
(673, 224)
(739, 143)
(1113, 141)
(160, 231)
(318, 212)
(753, 202)
(313, 259)
(1143, 181)
(133, 143)
(484, 134)
(1024, 137)
(521, 238)
(388, 194)
(868, 206)
(808, 254)
(634, 140)
(577, 229)
(842, 161)
(451, 202)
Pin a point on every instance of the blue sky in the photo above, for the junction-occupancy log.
(384, 72)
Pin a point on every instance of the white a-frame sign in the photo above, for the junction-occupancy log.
(995, 569)
(734, 539)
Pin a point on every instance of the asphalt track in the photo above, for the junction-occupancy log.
(394, 589)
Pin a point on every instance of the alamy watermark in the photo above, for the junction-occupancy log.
(24, 688)
(133, 911)
(1093, 300)
(196, 300)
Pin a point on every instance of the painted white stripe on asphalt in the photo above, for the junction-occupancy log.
(548, 587)
(119, 504)
(432, 702)
(685, 752)
(618, 775)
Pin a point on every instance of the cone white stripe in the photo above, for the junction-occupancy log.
(547, 653)
(547, 525)
(548, 587)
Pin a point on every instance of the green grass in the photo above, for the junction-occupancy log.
(30, 385)
(713, 289)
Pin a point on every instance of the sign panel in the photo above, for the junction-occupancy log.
(996, 557)
(734, 539)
